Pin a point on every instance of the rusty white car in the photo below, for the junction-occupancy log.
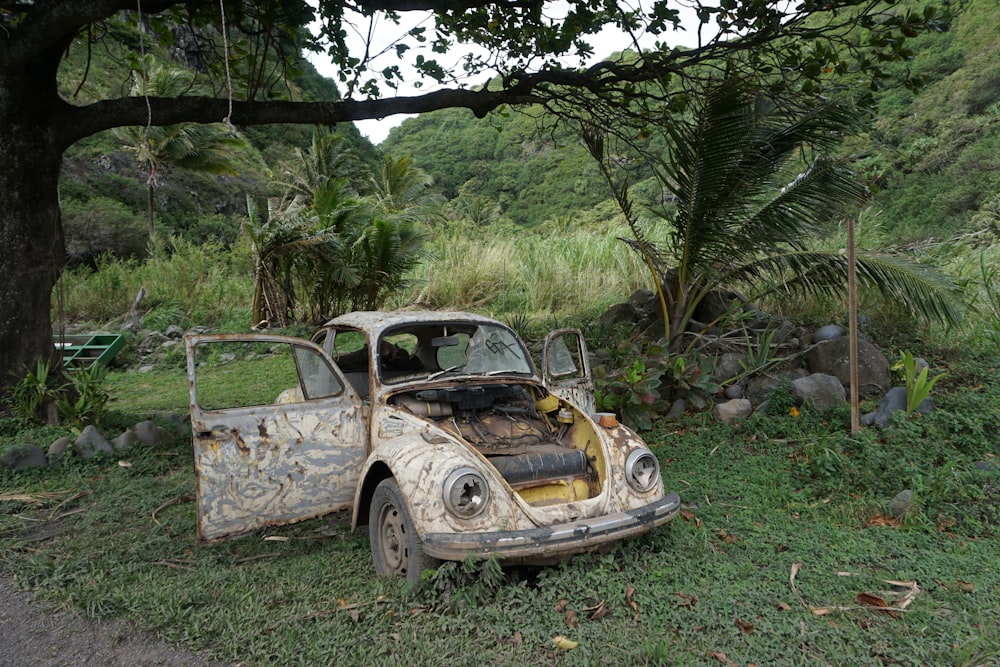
(433, 428)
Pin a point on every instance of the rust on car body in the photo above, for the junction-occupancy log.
(434, 428)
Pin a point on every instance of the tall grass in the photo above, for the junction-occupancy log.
(559, 272)
(528, 272)
(184, 283)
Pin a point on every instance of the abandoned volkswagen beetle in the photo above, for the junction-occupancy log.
(433, 428)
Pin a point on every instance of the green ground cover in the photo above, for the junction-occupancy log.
(785, 530)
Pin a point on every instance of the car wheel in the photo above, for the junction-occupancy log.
(396, 547)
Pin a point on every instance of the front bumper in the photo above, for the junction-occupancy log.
(553, 542)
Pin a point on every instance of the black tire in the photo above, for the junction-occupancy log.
(396, 548)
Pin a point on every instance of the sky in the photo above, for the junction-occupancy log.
(604, 44)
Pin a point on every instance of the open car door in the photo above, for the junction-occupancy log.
(263, 456)
(566, 369)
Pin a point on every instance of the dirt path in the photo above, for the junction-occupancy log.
(35, 635)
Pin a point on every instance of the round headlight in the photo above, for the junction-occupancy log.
(466, 493)
(642, 470)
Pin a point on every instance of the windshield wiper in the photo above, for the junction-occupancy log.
(445, 370)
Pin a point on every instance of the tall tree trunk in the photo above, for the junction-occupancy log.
(32, 247)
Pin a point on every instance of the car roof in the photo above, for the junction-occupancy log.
(377, 321)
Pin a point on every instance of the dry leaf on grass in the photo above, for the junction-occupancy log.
(723, 658)
(875, 602)
(628, 598)
(564, 643)
(597, 613)
(746, 627)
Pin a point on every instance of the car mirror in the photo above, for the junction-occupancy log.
(444, 341)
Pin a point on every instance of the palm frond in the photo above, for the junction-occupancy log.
(926, 292)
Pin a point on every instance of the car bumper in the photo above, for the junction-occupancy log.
(553, 542)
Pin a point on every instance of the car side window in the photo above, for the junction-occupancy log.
(318, 380)
(229, 373)
(563, 361)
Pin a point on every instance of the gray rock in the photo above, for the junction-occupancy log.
(728, 365)
(174, 331)
(618, 313)
(124, 442)
(23, 455)
(57, 450)
(829, 332)
(147, 368)
(783, 331)
(91, 443)
(760, 387)
(733, 391)
(733, 410)
(893, 401)
(151, 434)
(833, 357)
(819, 389)
(901, 504)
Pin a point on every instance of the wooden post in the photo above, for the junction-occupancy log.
(852, 301)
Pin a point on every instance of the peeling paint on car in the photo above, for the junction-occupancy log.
(415, 397)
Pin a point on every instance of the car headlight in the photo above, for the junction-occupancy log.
(466, 493)
(642, 470)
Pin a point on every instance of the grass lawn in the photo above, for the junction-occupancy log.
(781, 555)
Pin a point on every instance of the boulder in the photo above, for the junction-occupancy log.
(124, 442)
(733, 410)
(820, 390)
(91, 443)
(829, 332)
(23, 455)
(760, 387)
(150, 434)
(893, 401)
(57, 450)
(833, 357)
(733, 391)
(728, 365)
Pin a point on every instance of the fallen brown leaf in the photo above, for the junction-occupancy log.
(515, 639)
(721, 657)
(571, 621)
(599, 612)
(746, 627)
(687, 601)
(966, 586)
(784, 606)
(560, 606)
(875, 602)
(628, 598)
(726, 537)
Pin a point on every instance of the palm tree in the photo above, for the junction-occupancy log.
(303, 264)
(326, 159)
(323, 251)
(402, 189)
(205, 148)
(744, 216)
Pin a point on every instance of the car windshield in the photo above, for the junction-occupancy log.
(467, 348)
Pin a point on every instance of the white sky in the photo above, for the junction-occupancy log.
(604, 44)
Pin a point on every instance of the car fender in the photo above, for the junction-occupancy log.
(421, 462)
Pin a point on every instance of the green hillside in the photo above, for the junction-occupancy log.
(931, 157)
